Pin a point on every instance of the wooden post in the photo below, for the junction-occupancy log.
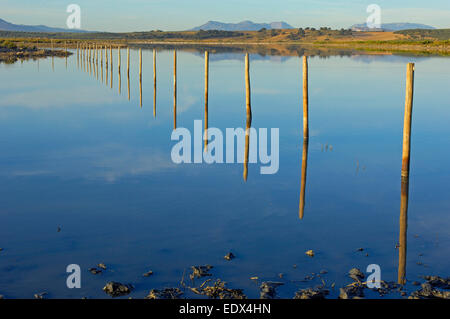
(154, 82)
(140, 63)
(408, 119)
(401, 279)
(128, 61)
(118, 57)
(303, 178)
(305, 98)
(249, 116)
(247, 85)
(174, 89)
(206, 99)
(140, 77)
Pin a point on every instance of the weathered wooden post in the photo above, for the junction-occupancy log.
(140, 77)
(206, 98)
(174, 89)
(118, 57)
(247, 85)
(408, 119)
(128, 61)
(305, 98)
(249, 115)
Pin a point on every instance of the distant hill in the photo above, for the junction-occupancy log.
(7, 26)
(241, 26)
(392, 27)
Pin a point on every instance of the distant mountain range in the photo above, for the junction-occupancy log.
(392, 26)
(7, 26)
(241, 26)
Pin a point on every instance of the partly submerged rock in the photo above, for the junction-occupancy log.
(311, 293)
(429, 292)
(40, 295)
(268, 289)
(200, 271)
(351, 291)
(148, 273)
(167, 293)
(116, 289)
(95, 271)
(229, 256)
(310, 253)
(356, 274)
(219, 290)
(102, 266)
(439, 282)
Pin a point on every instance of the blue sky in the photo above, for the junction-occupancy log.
(141, 15)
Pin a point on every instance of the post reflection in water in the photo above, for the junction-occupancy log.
(128, 72)
(403, 230)
(249, 115)
(118, 69)
(303, 178)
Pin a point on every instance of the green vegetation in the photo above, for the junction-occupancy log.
(439, 34)
(7, 44)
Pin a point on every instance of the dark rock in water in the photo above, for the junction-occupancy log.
(59, 229)
(95, 271)
(352, 291)
(102, 266)
(267, 289)
(200, 271)
(428, 292)
(356, 274)
(387, 287)
(40, 295)
(219, 291)
(1, 249)
(116, 289)
(2, 297)
(436, 281)
(229, 256)
(416, 283)
(148, 273)
(167, 293)
(360, 249)
(323, 272)
(310, 293)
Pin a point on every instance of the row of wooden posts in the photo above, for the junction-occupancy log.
(406, 152)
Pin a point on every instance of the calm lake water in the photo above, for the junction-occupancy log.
(78, 155)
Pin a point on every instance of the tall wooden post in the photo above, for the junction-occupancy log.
(408, 119)
(174, 89)
(154, 82)
(140, 77)
(249, 116)
(128, 61)
(305, 98)
(118, 57)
